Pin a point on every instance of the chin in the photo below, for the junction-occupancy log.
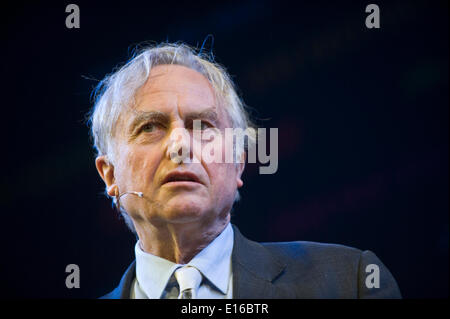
(183, 210)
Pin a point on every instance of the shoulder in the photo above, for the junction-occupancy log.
(300, 259)
(334, 268)
(307, 250)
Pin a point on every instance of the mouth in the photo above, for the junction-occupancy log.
(181, 178)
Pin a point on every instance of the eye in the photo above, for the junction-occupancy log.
(203, 125)
(149, 127)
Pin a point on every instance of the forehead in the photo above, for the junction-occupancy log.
(175, 88)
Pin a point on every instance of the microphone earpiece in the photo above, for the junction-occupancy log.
(139, 194)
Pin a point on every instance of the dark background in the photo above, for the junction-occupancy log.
(362, 117)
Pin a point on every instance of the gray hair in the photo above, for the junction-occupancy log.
(118, 89)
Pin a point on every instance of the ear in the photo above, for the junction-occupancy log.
(106, 171)
(240, 169)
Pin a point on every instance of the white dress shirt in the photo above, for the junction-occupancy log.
(154, 275)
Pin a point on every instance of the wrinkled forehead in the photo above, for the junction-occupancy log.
(177, 79)
(176, 91)
(176, 88)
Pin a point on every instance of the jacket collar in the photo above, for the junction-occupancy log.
(254, 269)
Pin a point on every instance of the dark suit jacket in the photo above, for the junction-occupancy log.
(294, 270)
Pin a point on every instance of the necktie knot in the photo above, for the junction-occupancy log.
(189, 279)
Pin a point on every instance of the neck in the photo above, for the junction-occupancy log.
(178, 242)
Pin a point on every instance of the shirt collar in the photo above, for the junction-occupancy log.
(152, 272)
(214, 262)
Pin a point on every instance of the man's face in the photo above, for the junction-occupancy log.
(172, 98)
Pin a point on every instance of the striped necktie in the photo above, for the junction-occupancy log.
(189, 279)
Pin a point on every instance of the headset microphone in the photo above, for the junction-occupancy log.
(139, 194)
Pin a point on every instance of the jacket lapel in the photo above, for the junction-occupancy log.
(122, 291)
(254, 269)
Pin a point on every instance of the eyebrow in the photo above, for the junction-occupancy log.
(147, 116)
(208, 114)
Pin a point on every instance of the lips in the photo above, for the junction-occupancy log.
(181, 177)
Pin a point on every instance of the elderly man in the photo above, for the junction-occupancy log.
(179, 205)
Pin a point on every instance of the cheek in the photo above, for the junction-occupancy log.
(223, 177)
(138, 166)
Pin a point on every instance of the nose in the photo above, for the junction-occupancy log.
(179, 148)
